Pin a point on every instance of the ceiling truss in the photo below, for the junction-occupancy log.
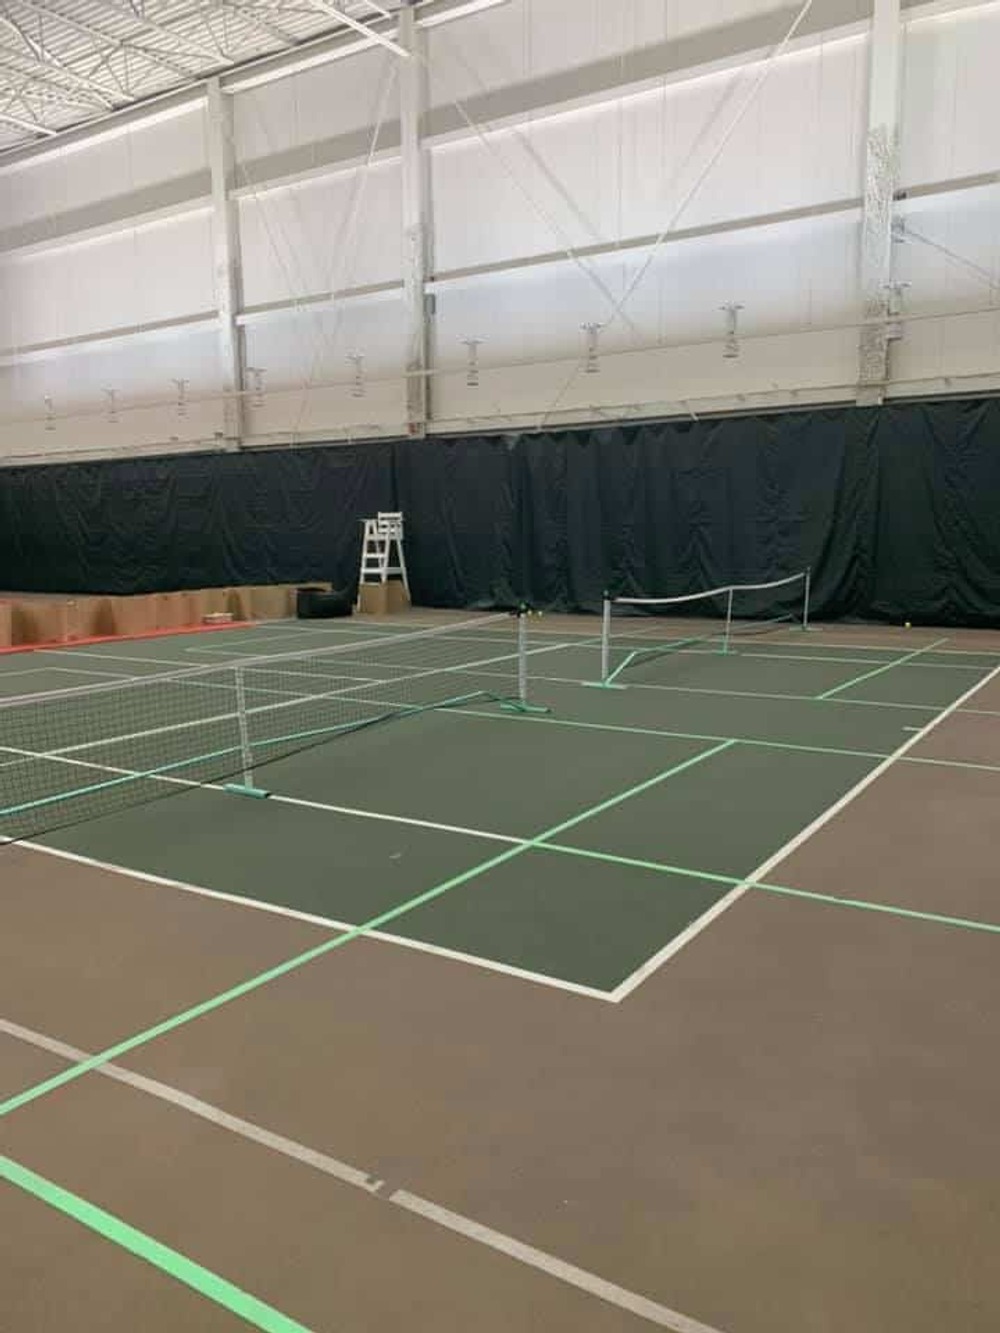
(66, 62)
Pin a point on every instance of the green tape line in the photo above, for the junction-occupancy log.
(175, 1265)
(320, 950)
(861, 904)
(690, 735)
(869, 675)
(734, 882)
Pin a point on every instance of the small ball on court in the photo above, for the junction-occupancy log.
(907, 625)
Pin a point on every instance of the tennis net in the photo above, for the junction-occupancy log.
(639, 629)
(79, 754)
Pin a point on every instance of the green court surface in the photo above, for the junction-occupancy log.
(574, 845)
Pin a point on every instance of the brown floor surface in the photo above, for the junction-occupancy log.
(93, 1286)
(922, 837)
(329, 1255)
(763, 1136)
(791, 1128)
(967, 738)
(91, 956)
(23, 1066)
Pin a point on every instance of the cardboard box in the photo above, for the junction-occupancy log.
(91, 617)
(238, 603)
(271, 602)
(48, 620)
(382, 599)
(170, 610)
(213, 600)
(6, 626)
(132, 615)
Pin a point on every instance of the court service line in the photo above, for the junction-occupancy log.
(751, 741)
(729, 694)
(659, 731)
(327, 923)
(176, 663)
(878, 671)
(823, 658)
(370, 1184)
(654, 964)
(254, 983)
(176, 1265)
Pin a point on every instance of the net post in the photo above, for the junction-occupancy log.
(521, 703)
(729, 621)
(522, 656)
(606, 638)
(808, 597)
(246, 786)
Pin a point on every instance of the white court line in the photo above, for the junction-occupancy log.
(529, 1255)
(115, 657)
(992, 654)
(392, 819)
(653, 964)
(822, 659)
(731, 694)
(373, 645)
(330, 923)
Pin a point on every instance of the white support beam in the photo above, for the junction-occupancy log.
(881, 179)
(226, 261)
(415, 181)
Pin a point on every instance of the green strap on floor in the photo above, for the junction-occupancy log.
(175, 1265)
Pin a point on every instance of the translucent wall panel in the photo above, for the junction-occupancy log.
(161, 271)
(119, 162)
(309, 384)
(948, 126)
(637, 166)
(322, 103)
(531, 38)
(341, 231)
(795, 282)
(142, 373)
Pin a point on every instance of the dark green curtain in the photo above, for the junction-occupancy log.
(897, 511)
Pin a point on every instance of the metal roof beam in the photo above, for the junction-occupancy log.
(364, 28)
(32, 126)
(150, 25)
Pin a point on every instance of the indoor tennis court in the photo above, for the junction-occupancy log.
(481, 966)
(499, 666)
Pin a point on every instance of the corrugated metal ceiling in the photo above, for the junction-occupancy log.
(65, 62)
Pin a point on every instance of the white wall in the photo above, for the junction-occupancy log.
(544, 215)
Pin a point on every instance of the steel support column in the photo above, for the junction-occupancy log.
(226, 263)
(881, 177)
(416, 224)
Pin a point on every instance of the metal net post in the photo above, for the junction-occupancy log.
(606, 638)
(729, 621)
(522, 656)
(246, 750)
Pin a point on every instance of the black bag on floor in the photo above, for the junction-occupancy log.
(315, 604)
